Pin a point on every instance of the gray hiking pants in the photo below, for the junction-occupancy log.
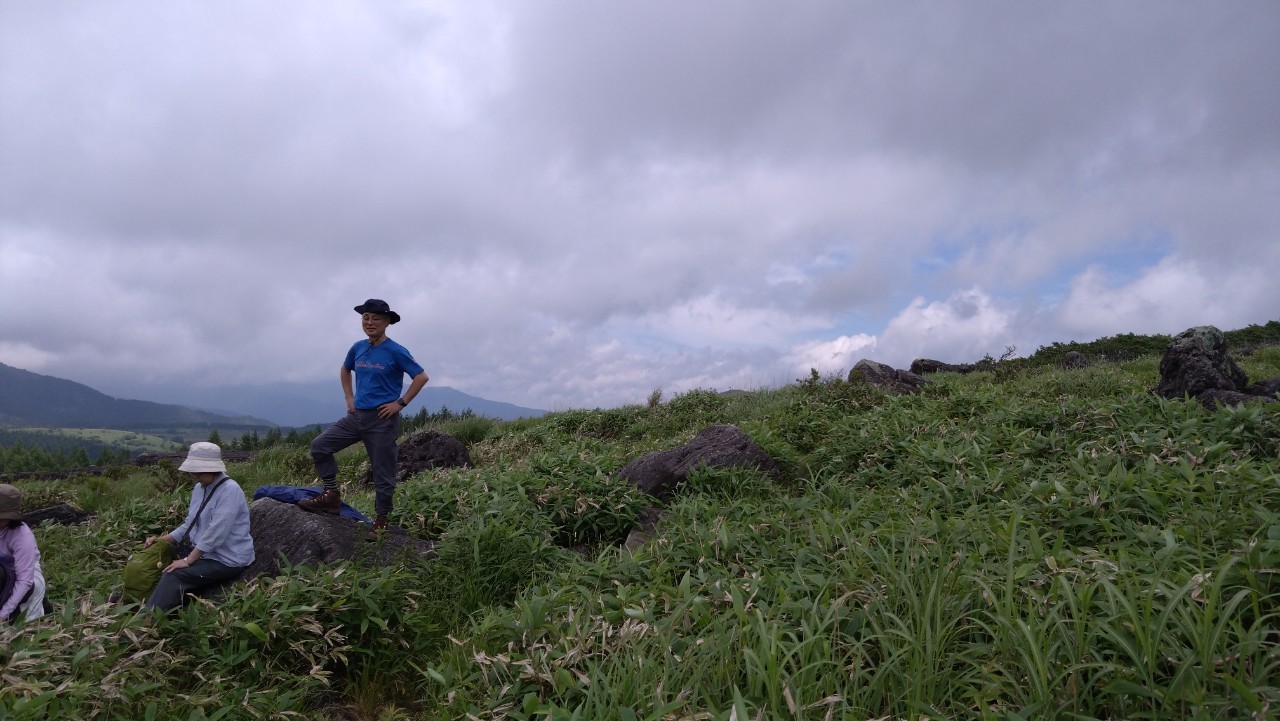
(379, 437)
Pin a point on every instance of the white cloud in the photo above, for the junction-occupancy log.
(713, 321)
(1169, 297)
(832, 356)
(961, 329)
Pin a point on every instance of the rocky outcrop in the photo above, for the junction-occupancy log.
(1074, 359)
(63, 514)
(1197, 364)
(1197, 361)
(879, 374)
(1269, 388)
(723, 446)
(142, 460)
(285, 530)
(424, 451)
(921, 366)
(176, 459)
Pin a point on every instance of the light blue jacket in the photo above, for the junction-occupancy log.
(222, 533)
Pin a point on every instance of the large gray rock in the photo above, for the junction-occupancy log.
(284, 529)
(723, 446)
(1197, 364)
(879, 374)
(1197, 361)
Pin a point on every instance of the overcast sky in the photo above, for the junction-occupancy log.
(573, 203)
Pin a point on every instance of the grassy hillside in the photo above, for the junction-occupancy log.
(136, 442)
(56, 449)
(1041, 544)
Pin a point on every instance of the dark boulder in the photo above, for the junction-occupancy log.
(63, 514)
(879, 374)
(424, 451)
(1074, 359)
(1197, 364)
(285, 530)
(921, 366)
(723, 446)
(1269, 389)
(1214, 398)
(1197, 361)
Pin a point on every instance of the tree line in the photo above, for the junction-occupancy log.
(22, 451)
(21, 457)
(253, 441)
(1128, 346)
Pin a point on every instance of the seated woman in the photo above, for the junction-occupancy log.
(18, 547)
(217, 525)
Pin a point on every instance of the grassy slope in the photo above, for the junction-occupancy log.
(1051, 545)
(117, 439)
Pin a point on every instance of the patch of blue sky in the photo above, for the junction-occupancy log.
(1121, 263)
(832, 259)
(648, 342)
(852, 323)
(962, 244)
(1122, 259)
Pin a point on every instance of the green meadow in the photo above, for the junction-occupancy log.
(1026, 543)
(134, 441)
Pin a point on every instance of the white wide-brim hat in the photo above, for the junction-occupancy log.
(203, 457)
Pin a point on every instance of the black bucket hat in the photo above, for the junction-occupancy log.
(374, 305)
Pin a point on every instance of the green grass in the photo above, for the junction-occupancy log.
(1043, 544)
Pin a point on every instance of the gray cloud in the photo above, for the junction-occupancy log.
(575, 203)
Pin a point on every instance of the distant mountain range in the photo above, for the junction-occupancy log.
(305, 404)
(30, 399)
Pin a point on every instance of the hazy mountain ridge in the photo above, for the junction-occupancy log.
(30, 399)
(320, 402)
(33, 400)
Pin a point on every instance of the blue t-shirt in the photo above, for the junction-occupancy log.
(380, 371)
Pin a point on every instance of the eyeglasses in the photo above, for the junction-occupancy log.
(367, 317)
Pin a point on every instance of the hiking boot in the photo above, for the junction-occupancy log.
(328, 502)
(379, 528)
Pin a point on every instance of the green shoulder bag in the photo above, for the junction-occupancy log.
(143, 570)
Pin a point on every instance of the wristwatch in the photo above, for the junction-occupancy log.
(402, 402)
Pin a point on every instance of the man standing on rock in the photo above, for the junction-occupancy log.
(373, 412)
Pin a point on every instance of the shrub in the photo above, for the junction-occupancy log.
(470, 430)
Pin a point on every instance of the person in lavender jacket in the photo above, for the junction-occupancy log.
(18, 543)
(217, 528)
